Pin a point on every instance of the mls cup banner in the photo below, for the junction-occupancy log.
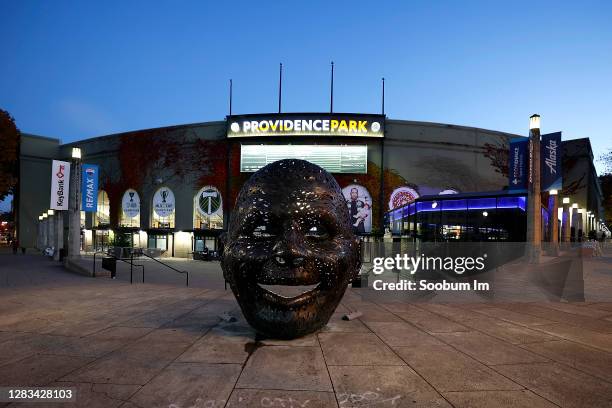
(60, 183)
(163, 202)
(130, 203)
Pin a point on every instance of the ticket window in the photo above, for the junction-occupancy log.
(158, 242)
(201, 242)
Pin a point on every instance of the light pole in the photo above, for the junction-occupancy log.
(74, 213)
(580, 223)
(51, 228)
(574, 233)
(39, 235)
(45, 231)
(554, 223)
(566, 226)
(534, 201)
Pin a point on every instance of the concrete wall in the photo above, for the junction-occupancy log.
(434, 157)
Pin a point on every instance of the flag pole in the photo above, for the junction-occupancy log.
(230, 97)
(280, 87)
(383, 95)
(331, 96)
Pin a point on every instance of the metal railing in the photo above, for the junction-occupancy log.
(167, 266)
(130, 262)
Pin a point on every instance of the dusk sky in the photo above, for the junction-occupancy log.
(75, 70)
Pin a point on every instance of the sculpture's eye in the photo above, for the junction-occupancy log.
(317, 232)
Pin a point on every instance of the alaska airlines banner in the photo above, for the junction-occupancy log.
(550, 158)
(89, 187)
(306, 124)
(518, 165)
(60, 183)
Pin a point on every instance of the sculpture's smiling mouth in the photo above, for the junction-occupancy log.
(290, 295)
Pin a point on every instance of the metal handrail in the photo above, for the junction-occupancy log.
(131, 263)
(168, 266)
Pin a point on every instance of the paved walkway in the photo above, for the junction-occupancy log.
(154, 344)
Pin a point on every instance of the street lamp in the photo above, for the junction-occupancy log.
(554, 222)
(534, 202)
(51, 234)
(534, 122)
(74, 211)
(566, 224)
(44, 230)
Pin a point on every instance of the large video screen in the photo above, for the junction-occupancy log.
(333, 158)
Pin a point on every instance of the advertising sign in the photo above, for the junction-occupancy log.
(130, 203)
(306, 124)
(402, 196)
(163, 202)
(89, 187)
(60, 183)
(517, 174)
(359, 203)
(550, 157)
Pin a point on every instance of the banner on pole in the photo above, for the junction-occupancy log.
(550, 158)
(89, 187)
(60, 184)
(517, 174)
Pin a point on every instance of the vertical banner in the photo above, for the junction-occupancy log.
(60, 184)
(517, 174)
(89, 188)
(550, 157)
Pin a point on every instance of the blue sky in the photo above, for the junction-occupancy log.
(79, 69)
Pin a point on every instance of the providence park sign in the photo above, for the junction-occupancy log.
(306, 124)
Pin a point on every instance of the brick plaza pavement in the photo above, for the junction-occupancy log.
(156, 344)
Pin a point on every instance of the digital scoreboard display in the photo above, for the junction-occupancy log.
(333, 158)
(306, 124)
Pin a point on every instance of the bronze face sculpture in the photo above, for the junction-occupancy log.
(290, 251)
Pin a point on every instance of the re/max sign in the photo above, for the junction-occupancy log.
(89, 187)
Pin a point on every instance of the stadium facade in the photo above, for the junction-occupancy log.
(173, 188)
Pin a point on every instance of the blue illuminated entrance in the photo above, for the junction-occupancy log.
(495, 216)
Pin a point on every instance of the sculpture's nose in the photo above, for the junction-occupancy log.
(289, 250)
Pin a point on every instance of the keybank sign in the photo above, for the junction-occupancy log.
(356, 125)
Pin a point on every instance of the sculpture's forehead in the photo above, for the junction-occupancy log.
(278, 190)
(311, 197)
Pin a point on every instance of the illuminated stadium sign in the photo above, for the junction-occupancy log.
(335, 159)
(306, 124)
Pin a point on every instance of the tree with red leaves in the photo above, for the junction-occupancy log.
(9, 157)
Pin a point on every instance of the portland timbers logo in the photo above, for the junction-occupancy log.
(209, 201)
